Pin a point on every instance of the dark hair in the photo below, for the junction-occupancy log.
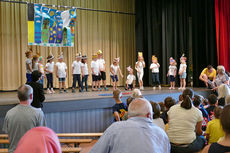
(169, 102)
(212, 99)
(217, 111)
(209, 67)
(24, 92)
(225, 119)
(162, 105)
(36, 75)
(129, 100)
(187, 99)
(197, 100)
(156, 110)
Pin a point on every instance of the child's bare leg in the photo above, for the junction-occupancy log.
(63, 85)
(184, 83)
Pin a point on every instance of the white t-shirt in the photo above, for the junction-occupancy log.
(182, 124)
(50, 67)
(95, 67)
(182, 67)
(140, 66)
(131, 78)
(61, 69)
(154, 67)
(172, 70)
(76, 67)
(85, 68)
(101, 62)
(35, 66)
(115, 69)
(28, 62)
(159, 122)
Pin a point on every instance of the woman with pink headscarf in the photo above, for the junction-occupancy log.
(39, 140)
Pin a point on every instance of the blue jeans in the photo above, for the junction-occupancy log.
(84, 80)
(49, 80)
(28, 78)
(156, 80)
(77, 78)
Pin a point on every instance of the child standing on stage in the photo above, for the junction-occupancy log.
(49, 73)
(172, 72)
(102, 75)
(61, 73)
(41, 69)
(140, 65)
(35, 63)
(28, 66)
(182, 72)
(114, 69)
(130, 83)
(155, 72)
(95, 73)
(76, 72)
(85, 72)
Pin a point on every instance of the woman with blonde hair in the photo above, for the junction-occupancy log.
(223, 92)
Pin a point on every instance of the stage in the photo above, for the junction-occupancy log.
(86, 111)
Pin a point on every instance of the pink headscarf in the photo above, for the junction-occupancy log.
(39, 140)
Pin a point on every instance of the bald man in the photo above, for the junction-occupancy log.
(136, 135)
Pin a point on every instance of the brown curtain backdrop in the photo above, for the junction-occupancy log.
(113, 33)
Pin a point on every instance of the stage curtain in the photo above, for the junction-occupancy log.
(169, 28)
(113, 33)
(222, 12)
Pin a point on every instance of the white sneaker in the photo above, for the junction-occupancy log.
(48, 91)
(52, 90)
(159, 87)
(142, 88)
(170, 88)
(154, 88)
(179, 88)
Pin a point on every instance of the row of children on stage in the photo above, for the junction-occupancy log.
(80, 72)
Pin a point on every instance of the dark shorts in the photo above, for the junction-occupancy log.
(130, 86)
(95, 77)
(172, 78)
(102, 76)
(28, 77)
(61, 79)
(114, 78)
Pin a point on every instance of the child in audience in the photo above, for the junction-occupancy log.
(180, 98)
(28, 66)
(214, 130)
(85, 72)
(49, 73)
(172, 72)
(156, 115)
(212, 101)
(102, 67)
(35, 62)
(119, 109)
(61, 73)
(140, 65)
(128, 101)
(95, 73)
(182, 72)
(130, 82)
(41, 69)
(114, 69)
(155, 72)
(76, 72)
(137, 93)
(168, 102)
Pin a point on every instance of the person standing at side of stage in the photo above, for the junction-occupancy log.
(102, 66)
(85, 72)
(95, 73)
(61, 73)
(182, 72)
(76, 72)
(172, 72)
(155, 72)
(114, 69)
(28, 66)
(41, 69)
(140, 65)
(49, 69)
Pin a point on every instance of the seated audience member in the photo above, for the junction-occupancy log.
(221, 78)
(168, 102)
(39, 140)
(136, 135)
(128, 101)
(162, 105)
(208, 76)
(137, 93)
(119, 108)
(38, 94)
(212, 101)
(156, 115)
(197, 102)
(227, 100)
(223, 91)
(180, 99)
(223, 145)
(185, 122)
(22, 117)
(214, 130)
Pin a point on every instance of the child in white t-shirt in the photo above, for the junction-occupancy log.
(114, 70)
(172, 72)
(130, 82)
(95, 73)
(85, 72)
(76, 72)
(41, 69)
(49, 69)
(182, 72)
(61, 73)
(35, 62)
(155, 72)
(140, 65)
(28, 66)
(102, 67)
